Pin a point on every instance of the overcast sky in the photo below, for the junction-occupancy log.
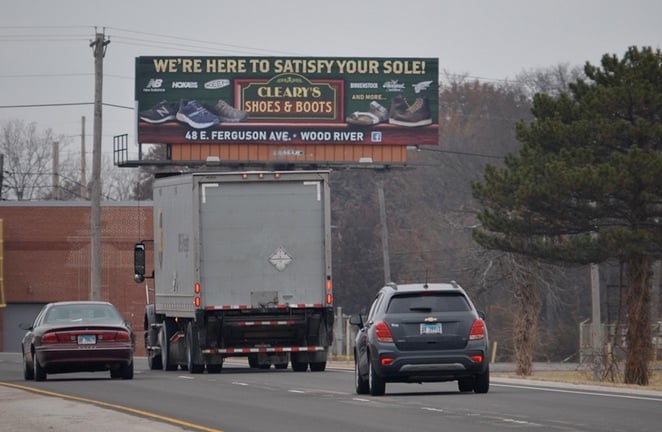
(46, 57)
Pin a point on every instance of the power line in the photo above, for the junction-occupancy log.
(65, 104)
(436, 150)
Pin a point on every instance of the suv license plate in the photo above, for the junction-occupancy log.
(87, 339)
(430, 328)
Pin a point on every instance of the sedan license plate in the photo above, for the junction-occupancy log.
(430, 328)
(87, 339)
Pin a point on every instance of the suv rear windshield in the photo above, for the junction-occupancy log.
(428, 302)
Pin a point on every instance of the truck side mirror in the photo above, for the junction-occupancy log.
(139, 262)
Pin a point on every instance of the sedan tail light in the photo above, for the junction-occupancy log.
(49, 338)
(477, 330)
(122, 336)
(383, 332)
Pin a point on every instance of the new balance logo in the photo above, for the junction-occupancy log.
(154, 83)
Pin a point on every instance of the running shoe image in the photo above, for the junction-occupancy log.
(195, 115)
(160, 113)
(228, 113)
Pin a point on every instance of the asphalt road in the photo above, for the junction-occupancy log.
(241, 399)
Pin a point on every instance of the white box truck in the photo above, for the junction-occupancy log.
(242, 267)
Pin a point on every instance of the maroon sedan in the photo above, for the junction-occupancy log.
(78, 336)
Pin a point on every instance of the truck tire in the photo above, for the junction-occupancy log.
(317, 366)
(153, 357)
(164, 341)
(298, 363)
(215, 368)
(193, 357)
(252, 361)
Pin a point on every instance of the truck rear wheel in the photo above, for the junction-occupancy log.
(317, 366)
(193, 357)
(299, 362)
(252, 361)
(153, 357)
(215, 368)
(164, 341)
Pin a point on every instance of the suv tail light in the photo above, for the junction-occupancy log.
(383, 332)
(477, 330)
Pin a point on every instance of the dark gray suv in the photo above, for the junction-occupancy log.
(418, 333)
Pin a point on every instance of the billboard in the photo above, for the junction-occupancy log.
(287, 100)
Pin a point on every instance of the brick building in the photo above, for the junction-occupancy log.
(46, 256)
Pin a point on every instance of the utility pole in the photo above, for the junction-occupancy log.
(99, 49)
(382, 217)
(596, 324)
(83, 156)
(2, 172)
(56, 170)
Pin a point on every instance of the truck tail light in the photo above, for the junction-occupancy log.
(197, 289)
(477, 330)
(329, 291)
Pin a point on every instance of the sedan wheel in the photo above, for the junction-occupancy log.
(28, 369)
(126, 371)
(39, 372)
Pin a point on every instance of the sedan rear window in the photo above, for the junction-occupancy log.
(82, 314)
(428, 302)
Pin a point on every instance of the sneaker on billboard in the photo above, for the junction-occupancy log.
(376, 114)
(228, 113)
(417, 114)
(195, 115)
(160, 113)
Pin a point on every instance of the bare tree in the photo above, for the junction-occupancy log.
(551, 81)
(27, 160)
(118, 184)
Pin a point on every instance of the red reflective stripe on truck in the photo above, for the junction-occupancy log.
(262, 350)
(262, 323)
(279, 306)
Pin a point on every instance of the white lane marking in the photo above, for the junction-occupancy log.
(580, 392)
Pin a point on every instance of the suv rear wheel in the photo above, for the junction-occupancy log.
(465, 384)
(377, 383)
(482, 382)
(362, 385)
